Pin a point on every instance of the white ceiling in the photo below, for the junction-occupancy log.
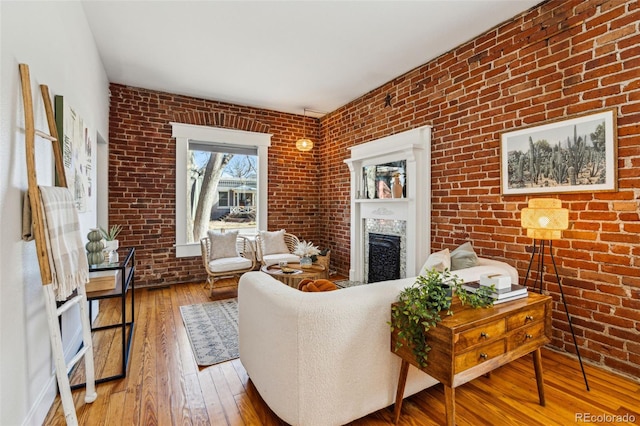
(281, 55)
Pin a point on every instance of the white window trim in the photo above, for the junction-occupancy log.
(183, 133)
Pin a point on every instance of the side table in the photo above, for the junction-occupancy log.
(474, 342)
(313, 272)
(125, 280)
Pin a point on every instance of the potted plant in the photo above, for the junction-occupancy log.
(305, 250)
(110, 237)
(421, 306)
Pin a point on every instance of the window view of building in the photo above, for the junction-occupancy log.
(235, 199)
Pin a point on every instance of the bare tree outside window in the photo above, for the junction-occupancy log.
(206, 170)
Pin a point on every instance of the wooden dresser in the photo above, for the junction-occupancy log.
(473, 342)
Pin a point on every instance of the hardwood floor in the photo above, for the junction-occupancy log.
(164, 386)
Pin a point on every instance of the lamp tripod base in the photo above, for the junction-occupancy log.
(540, 263)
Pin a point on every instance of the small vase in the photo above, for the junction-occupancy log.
(305, 262)
(396, 187)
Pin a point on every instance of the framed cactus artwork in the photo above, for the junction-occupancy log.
(574, 154)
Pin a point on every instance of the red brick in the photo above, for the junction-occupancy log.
(514, 74)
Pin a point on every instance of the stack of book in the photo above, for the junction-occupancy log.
(101, 280)
(508, 294)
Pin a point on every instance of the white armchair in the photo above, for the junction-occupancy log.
(226, 254)
(277, 246)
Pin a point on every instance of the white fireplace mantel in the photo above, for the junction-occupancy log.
(414, 146)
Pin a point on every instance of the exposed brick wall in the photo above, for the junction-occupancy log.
(558, 59)
(142, 174)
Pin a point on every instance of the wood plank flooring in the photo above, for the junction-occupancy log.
(164, 386)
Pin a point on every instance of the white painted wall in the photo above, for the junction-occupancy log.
(54, 39)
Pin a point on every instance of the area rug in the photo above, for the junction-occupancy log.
(347, 283)
(213, 330)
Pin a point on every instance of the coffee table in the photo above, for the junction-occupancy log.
(313, 272)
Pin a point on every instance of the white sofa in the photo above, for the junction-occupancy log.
(325, 358)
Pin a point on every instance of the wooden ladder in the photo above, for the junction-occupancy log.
(53, 310)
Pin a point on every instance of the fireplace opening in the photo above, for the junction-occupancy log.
(384, 257)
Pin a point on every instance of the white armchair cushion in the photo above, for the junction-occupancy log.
(273, 242)
(229, 264)
(273, 259)
(223, 245)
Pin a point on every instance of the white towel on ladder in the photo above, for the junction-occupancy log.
(67, 255)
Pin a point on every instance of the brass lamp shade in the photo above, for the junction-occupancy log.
(545, 219)
(304, 144)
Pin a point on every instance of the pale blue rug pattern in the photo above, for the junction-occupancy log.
(213, 330)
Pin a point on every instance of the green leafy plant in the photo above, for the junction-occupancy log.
(112, 234)
(421, 307)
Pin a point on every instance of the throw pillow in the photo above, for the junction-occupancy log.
(223, 244)
(463, 257)
(317, 285)
(439, 261)
(273, 242)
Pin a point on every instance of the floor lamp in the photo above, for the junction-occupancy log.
(545, 219)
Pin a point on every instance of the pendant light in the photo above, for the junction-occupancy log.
(304, 144)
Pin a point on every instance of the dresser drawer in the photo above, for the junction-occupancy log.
(478, 335)
(479, 355)
(525, 335)
(525, 317)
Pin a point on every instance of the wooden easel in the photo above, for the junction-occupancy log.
(53, 311)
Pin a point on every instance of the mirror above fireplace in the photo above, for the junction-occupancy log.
(386, 180)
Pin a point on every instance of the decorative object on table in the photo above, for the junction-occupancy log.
(383, 189)
(420, 307)
(94, 247)
(544, 220)
(507, 294)
(111, 244)
(306, 249)
(396, 186)
(324, 259)
(213, 330)
(304, 143)
(102, 280)
(573, 155)
(500, 281)
(369, 173)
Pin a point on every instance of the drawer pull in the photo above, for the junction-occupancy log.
(528, 336)
(484, 355)
(484, 335)
(528, 318)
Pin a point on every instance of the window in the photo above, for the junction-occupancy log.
(223, 199)
(236, 176)
(214, 169)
